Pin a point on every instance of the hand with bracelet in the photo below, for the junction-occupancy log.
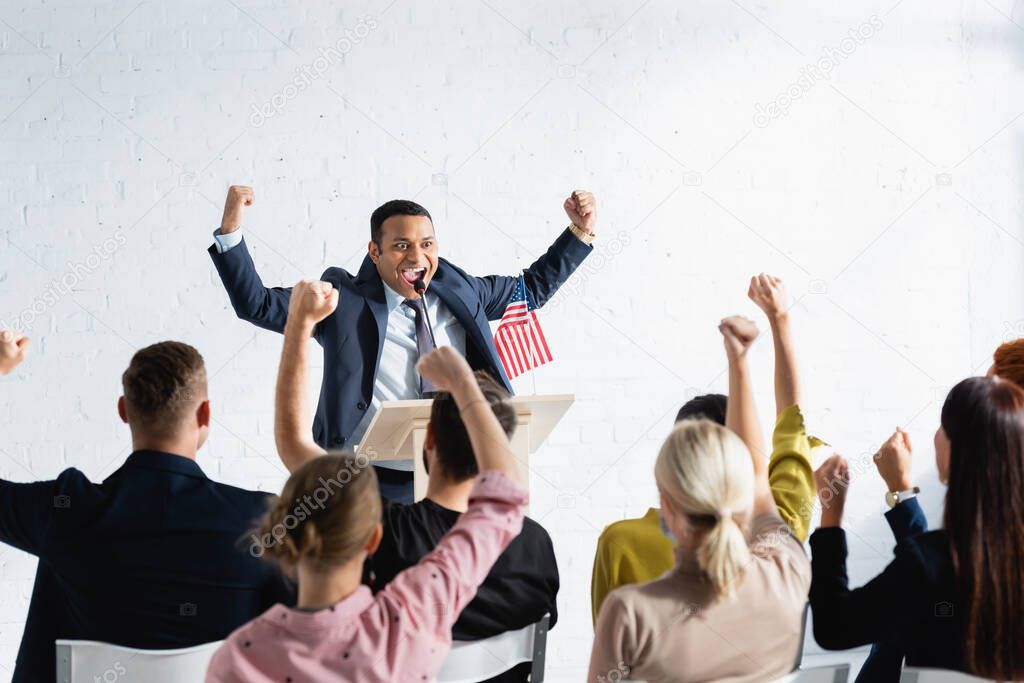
(894, 460)
(448, 371)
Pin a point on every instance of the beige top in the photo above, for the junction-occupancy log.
(670, 630)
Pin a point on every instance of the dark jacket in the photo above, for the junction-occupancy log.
(911, 606)
(353, 336)
(157, 556)
(885, 662)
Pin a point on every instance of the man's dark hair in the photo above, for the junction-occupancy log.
(454, 452)
(396, 207)
(709, 406)
(162, 386)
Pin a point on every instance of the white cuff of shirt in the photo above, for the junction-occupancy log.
(226, 242)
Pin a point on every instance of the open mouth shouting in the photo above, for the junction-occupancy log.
(410, 275)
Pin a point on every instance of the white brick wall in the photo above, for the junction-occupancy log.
(887, 194)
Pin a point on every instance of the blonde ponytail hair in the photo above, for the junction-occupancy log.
(705, 473)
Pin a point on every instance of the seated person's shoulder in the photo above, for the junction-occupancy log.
(632, 530)
(927, 553)
(776, 547)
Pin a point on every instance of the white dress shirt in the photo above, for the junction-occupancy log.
(396, 378)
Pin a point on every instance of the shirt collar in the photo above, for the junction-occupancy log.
(393, 298)
(300, 621)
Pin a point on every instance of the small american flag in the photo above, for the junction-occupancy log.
(519, 340)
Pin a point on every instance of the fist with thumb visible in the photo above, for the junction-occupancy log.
(239, 198)
(13, 347)
(312, 301)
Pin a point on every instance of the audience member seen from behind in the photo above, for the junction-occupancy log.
(149, 558)
(952, 598)
(713, 485)
(340, 630)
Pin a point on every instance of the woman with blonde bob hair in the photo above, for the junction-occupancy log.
(731, 609)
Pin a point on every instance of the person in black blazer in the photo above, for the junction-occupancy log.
(155, 556)
(952, 598)
(370, 342)
(906, 519)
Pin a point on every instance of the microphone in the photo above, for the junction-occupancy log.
(420, 288)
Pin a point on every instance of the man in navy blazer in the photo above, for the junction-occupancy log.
(372, 341)
(157, 555)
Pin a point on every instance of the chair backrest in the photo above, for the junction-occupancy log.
(915, 675)
(478, 660)
(819, 674)
(87, 661)
(838, 673)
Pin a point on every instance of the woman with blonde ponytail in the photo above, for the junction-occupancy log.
(731, 609)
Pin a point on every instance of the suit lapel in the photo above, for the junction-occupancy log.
(456, 303)
(369, 285)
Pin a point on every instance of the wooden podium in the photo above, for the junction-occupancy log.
(399, 428)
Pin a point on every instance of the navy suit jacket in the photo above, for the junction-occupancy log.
(885, 663)
(353, 336)
(157, 556)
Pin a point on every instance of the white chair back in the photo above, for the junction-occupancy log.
(87, 661)
(478, 660)
(819, 674)
(838, 673)
(915, 675)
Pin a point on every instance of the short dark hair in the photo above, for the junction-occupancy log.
(162, 386)
(396, 207)
(454, 451)
(709, 406)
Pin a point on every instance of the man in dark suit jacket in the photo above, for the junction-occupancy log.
(370, 342)
(155, 556)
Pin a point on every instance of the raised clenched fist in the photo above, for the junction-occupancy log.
(445, 368)
(12, 350)
(832, 480)
(738, 333)
(894, 461)
(239, 198)
(311, 301)
(581, 208)
(770, 295)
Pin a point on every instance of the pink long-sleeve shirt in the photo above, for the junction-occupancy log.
(401, 634)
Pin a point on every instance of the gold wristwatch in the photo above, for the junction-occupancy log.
(581, 234)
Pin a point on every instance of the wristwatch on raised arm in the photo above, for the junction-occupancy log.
(894, 498)
(581, 234)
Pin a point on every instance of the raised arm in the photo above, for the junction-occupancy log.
(553, 268)
(450, 372)
(770, 294)
(790, 472)
(741, 414)
(436, 590)
(13, 347)
(266, 307)
(310, 303)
